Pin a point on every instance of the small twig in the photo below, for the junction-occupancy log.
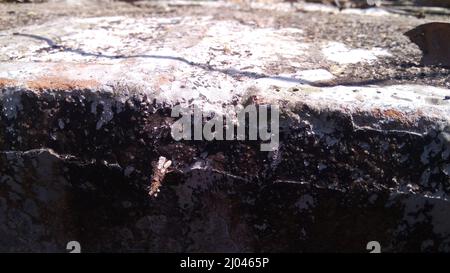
(160, 169)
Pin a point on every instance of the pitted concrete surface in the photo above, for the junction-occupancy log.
(86, 100)
(202, 59)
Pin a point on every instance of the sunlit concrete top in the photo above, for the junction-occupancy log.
(204, 59)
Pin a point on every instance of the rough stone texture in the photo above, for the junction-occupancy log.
(86, 109)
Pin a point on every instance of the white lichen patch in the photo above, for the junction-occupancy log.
(398, 97)
(224, 44)
(229, 44)
(369, 11)
(340, 53)
(315, 75)
(401, 108)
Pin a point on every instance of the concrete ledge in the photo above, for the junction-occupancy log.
(86, 112)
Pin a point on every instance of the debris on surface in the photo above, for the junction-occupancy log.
(160, 168)
(434, 41)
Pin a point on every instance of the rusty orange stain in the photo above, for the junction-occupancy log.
(397, 115)
(392, 114)
(60, 83)
(4, 82)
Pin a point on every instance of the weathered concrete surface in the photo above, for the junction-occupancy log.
(86, 106)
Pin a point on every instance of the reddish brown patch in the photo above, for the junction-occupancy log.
(376, 112)
(394, 114)
(6, 82)
(58, 83)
